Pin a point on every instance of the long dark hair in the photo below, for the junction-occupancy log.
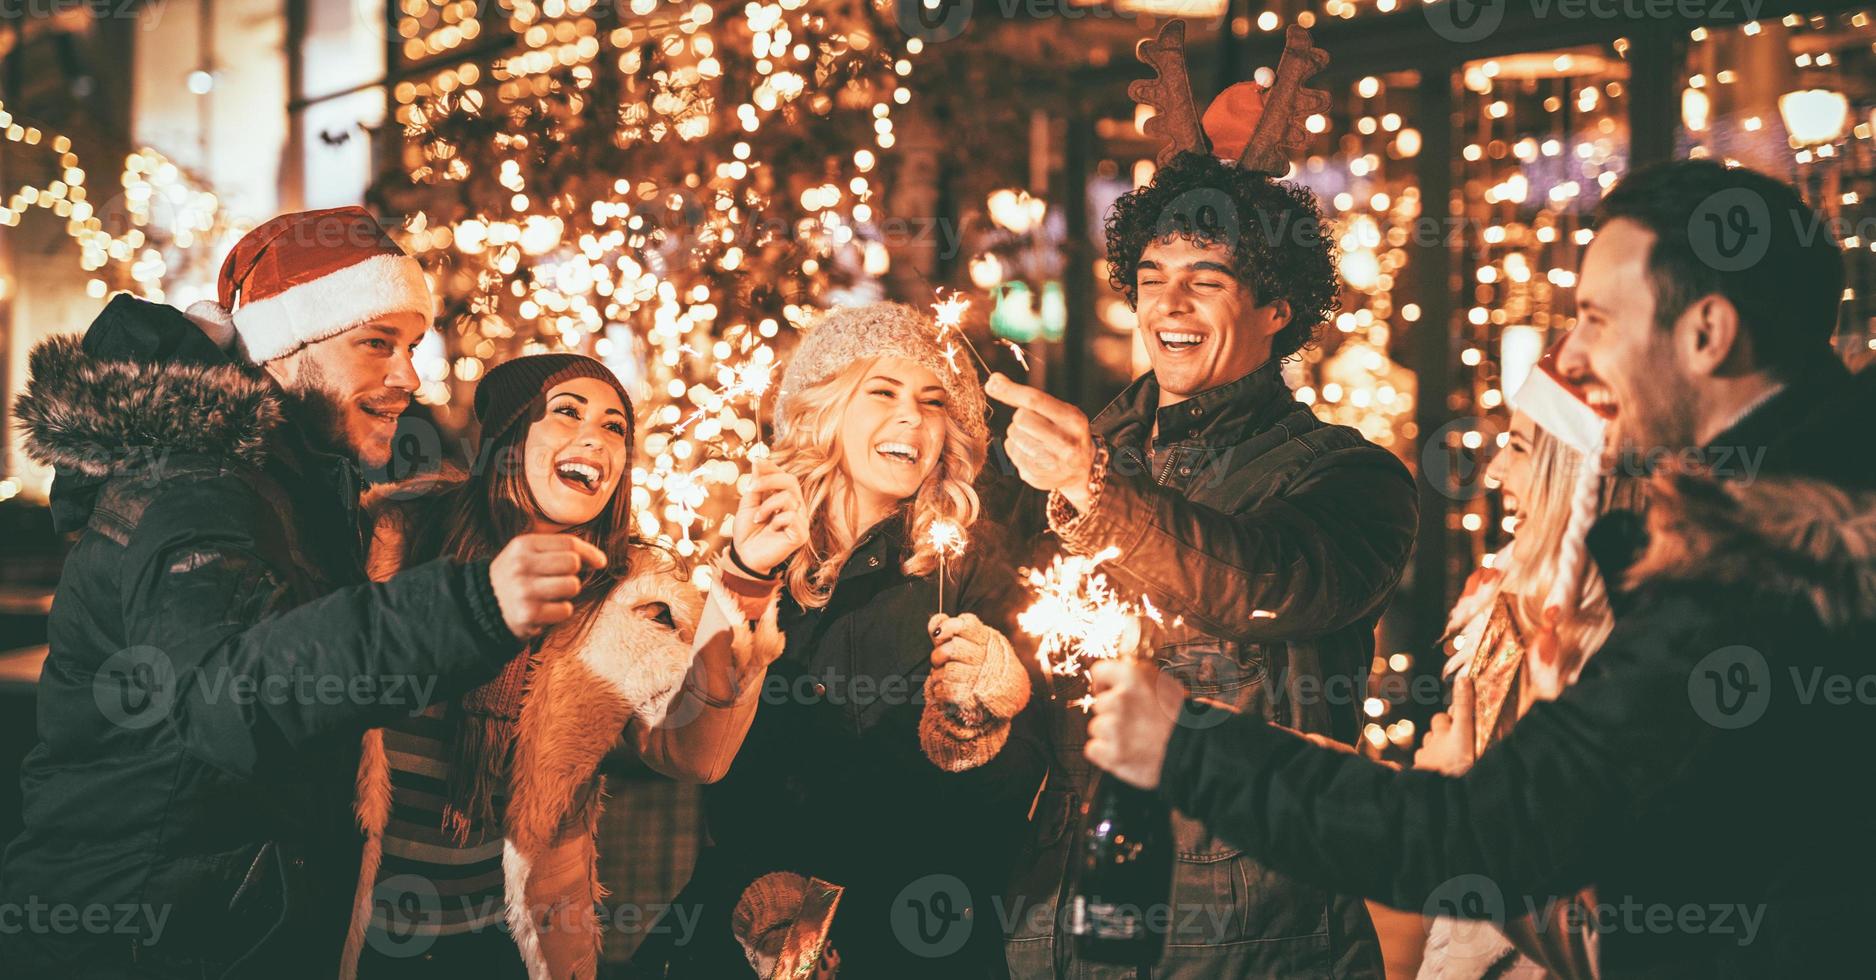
(474, 519)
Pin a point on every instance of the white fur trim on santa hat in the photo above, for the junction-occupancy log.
(330, 305)
(214, 319)
(1551, 404)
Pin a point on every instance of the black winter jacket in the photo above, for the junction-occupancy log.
(1704, 775)
(1270, 541)
(832, 781)
(215, 654)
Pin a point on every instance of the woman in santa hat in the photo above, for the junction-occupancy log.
(481, 812)
(1522, 631)
(892, 756)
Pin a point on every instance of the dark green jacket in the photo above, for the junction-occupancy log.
(1270, 541)
(215, 654)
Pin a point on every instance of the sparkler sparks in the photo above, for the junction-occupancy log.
(747, 380)
(949, 540)
(1077, 615)
(948, 313)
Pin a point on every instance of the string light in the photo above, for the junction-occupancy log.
(688, 267)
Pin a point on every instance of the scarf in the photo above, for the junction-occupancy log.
(481, 744)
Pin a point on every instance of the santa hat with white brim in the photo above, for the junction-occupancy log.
(1561, 407)
(303, 277)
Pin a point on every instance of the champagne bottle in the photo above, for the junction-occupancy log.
(1120, 889)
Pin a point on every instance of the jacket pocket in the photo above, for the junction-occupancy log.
(1223, 671)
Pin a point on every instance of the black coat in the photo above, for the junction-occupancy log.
(832, 782)
(215, 655)
(1705, 774)
(1270, 541)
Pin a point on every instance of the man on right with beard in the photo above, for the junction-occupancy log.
(1705, 774)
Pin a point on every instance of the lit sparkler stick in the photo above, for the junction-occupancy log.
(1017, 349)
(748, 380)
(948, 313)
(949, 540)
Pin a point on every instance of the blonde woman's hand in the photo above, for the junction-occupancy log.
(1449, 745)
(771, 519)
(976, 675)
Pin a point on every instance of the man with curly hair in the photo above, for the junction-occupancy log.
(1269, 540)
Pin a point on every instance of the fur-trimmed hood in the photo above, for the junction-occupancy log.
(142, 384)
(1786, 537)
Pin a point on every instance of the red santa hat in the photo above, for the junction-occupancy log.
(303, 277)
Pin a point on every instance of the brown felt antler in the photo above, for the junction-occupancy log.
(1282, 131)
(1175, 117)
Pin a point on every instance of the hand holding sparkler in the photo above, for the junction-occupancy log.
(1136, 707)
(977, 684)
(771, 519)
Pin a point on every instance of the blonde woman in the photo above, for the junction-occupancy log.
(891, 755)
(1520, 633)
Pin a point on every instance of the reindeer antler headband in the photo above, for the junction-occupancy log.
(1279, 114)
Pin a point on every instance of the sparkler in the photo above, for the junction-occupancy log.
(747, 380)
(948, 313)
(949, 540)
(1078, 616)
(1017, 349)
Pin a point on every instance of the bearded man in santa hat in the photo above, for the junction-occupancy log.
(215, 648)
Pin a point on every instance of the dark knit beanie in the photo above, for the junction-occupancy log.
(510, 387)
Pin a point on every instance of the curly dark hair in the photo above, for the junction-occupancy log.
(1280, 243)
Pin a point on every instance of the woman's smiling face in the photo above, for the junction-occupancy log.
(576, 452)
(892, 432)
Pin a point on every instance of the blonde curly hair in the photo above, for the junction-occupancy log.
(809, 449)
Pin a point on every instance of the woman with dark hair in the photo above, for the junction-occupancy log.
(480, 813)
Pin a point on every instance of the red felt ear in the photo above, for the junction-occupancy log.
(1232, 117)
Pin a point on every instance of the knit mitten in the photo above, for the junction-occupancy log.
(970, 699)
(763, 914)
